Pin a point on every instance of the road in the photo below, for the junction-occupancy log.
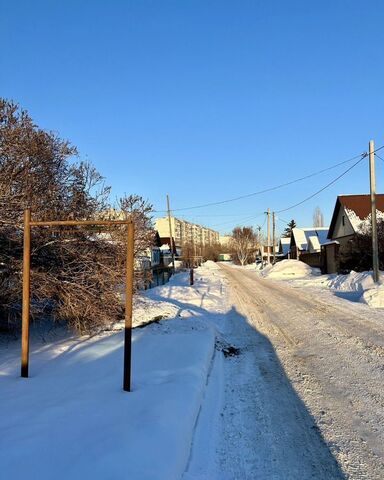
(305, 397)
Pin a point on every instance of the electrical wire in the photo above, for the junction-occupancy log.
(276, 187)
(323, 188)
(238, 219)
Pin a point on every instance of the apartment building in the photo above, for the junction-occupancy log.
(186, 232)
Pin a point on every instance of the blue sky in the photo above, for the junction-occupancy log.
(206, 100)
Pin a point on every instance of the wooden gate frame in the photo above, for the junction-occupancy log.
(28, 223)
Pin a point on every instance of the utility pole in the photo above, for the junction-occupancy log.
(268, 235)
(172, 243)
(274, 237)
(372, 178)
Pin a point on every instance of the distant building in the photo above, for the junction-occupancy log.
(225, 240)
(186, 232)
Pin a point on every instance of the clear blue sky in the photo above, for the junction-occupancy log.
(205, 99)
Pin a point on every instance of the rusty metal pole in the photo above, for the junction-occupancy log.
(128, 308)
(26, 294)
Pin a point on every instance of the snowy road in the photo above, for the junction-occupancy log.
(314, 371)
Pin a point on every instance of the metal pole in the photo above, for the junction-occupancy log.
(372, 177)
(26, 294)
(274, 237)
(172, 244)
(128, 308)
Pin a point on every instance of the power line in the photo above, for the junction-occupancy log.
(270, 189)
(325, 187)
(238, 220)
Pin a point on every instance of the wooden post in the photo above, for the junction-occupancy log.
(191, 281)
(26, 294)
(372, 177)
(128, 308)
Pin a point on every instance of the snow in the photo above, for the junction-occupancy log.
(289, 269)
(373, 297)
(302, 236)
(360, 286)
(352, 282)
(280, 408)
(362, 225)
(71, 419)
(314, 244)
(312, 363)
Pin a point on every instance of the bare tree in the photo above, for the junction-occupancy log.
(75, 272)
(243, 243)
(318, 218)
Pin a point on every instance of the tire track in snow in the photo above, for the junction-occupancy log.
(334, 359)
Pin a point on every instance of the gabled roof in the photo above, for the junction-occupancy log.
(355, 206)
(284, 245)
(300, 236)
(313, 243)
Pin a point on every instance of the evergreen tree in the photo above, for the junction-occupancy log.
(288, 231)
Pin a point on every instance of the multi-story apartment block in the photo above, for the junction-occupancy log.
(186, 232)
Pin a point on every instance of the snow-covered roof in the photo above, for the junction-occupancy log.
(358, 210)
(314, 244)
(301, 236)
(284, 246)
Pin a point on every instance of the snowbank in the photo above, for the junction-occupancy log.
(374, 297)
(352, 282)
(72, 420)
(289, 269)
(360, 283)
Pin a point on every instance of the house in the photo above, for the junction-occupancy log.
(284, 247)
(307, 240)
(305, 244)
(350, 214)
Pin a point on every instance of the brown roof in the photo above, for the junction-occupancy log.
(360, 204)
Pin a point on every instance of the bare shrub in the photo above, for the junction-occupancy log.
(75, 273)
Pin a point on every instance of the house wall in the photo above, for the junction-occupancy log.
(343, 226)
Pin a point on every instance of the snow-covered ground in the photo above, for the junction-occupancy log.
(237, 377)
(312, 361)
(71, 419)
(355, 286)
